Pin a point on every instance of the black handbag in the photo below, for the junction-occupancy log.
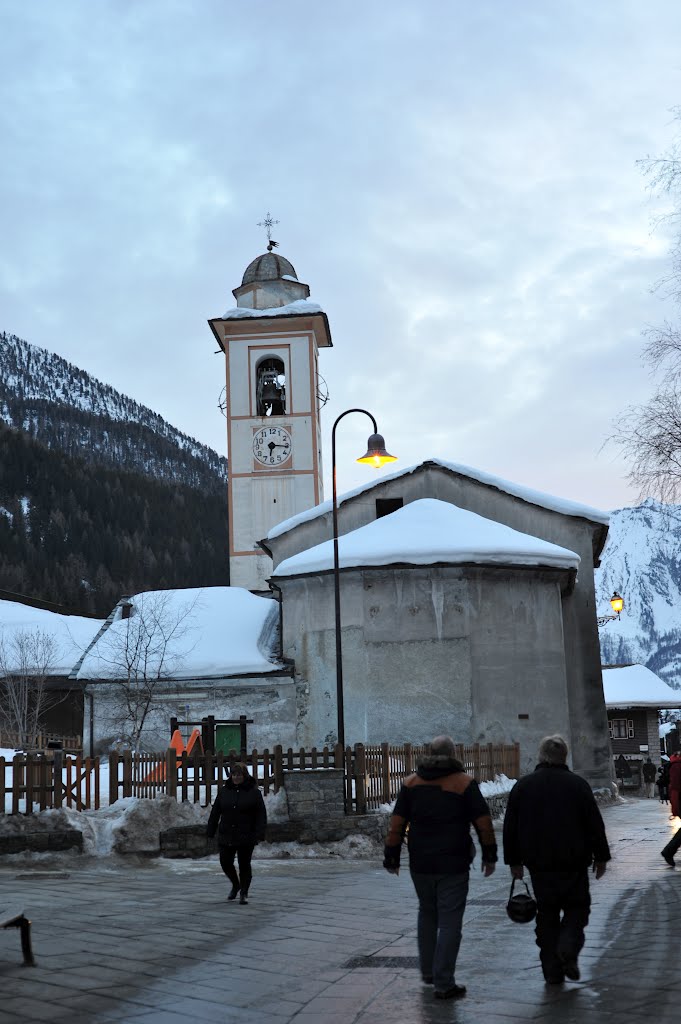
(521, 907)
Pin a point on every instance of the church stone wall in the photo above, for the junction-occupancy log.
(587, 731)
(475, 653)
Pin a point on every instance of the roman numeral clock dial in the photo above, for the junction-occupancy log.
(272, 446)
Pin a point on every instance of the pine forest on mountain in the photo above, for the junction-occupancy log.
(99, 496)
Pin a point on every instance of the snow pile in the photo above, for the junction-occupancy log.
(296, 308)
(69, 635)
(426, 532)
(637, 686)
(358, 846)
(216, 631)
(276, 805)
(502, 784)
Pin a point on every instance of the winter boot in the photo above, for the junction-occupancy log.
(244, 896)
(234, 893)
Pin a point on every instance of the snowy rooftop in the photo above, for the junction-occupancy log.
(636, 686)
(297, 308)
(217, 631)
(425, 532)
(562, 505)
(70, 634)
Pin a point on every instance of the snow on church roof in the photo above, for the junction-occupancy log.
(297, 308)
(633, 686)
(562, 505)
(70, 635)
(221, 631)
(425, 532)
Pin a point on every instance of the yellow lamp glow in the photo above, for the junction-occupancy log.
(376, 454)
(617, 603)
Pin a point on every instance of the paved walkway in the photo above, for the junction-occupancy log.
(329, 942)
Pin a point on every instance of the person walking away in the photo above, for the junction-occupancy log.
(663, 782)
(438, 804)
(239, 818)
(649, 772)
(553, 827)
(675, 784)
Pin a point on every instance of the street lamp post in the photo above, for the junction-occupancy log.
(376, 456)
(617, 604)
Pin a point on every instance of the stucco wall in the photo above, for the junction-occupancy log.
(268, 700)
(426, 651)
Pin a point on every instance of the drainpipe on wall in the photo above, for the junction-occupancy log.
(281, 619)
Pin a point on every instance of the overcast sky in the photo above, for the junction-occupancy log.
(456, 182)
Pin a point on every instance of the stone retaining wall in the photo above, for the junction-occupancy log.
(41, 842)
(192, 841)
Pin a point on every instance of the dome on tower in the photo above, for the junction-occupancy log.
(268, 267)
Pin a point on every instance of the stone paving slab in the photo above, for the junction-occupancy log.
(157, 942)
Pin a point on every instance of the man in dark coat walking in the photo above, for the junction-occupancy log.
(438, 804)
(554, 828)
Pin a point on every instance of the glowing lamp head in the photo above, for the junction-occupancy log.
(376, 454)
(617, 603)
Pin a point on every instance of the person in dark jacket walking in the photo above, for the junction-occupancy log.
(438, 804)
(239, 818)
(554, 828)
(663, 782)
(649, 772)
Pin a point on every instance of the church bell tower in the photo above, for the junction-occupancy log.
(271, 342)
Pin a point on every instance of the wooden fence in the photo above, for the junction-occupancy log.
(372, 774)
(41, 741)
(36, 782)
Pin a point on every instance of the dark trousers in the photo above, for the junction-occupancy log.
(566, 893)
(442, 902)
(673, 845)
(243, 855)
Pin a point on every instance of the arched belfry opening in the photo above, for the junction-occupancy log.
(270, 387)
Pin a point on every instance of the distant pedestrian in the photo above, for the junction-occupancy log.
(649, 772)
(438, 804)
(675, 784)
(239, 818)
(663, 782)
(554, 828)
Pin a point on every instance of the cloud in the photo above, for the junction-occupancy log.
(457, 184)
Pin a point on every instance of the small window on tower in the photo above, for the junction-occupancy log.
(270, 388)
(384, 506)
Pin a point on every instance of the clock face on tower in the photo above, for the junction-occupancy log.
(272, 446)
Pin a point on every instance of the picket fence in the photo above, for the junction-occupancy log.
(372, 774)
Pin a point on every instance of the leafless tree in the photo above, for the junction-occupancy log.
(26, 662)
(142, 652)
(649, 435)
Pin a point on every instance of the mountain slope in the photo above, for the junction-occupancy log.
(642, 560)
(82, 535)
(99, 496)
(65, 408)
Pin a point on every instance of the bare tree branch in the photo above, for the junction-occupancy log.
(26, 663)
(144, 651)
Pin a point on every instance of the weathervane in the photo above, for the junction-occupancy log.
(267, 224)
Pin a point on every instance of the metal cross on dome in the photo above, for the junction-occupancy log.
(267, 224)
